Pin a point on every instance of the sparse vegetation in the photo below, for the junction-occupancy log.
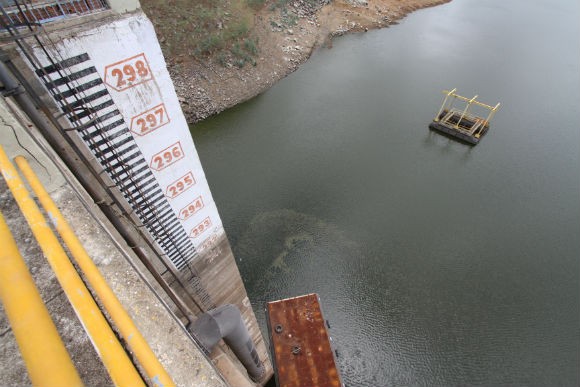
(289, 18)
(206, 27)
(244, 53)
(256, 4)
(218, 30)
(205, 42)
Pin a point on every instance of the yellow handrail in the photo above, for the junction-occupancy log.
(470, 100)
(47, 361)
(443, 104)
(119, 315)
(115, 360)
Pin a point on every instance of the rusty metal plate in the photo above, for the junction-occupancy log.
(300, 344)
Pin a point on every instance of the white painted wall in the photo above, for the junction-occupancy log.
(129, 60)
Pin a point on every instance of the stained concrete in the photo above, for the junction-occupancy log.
(168, 339)
(12, 369)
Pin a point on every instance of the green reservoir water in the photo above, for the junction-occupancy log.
(436, 263)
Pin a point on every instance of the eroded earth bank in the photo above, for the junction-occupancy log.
(283, 36)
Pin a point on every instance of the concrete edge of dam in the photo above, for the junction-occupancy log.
(167, 337)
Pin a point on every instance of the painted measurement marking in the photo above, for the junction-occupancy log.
(149, 120)
(207, 243)
(200, 228)
(191, 208)
(105, 131)
(168, 156)
(209, 248)
(128, 73)
(180, 185)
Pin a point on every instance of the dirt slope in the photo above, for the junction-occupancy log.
(286, 36)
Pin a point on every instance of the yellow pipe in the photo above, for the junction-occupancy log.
(119, 315)
(116, 361)
(47, 361)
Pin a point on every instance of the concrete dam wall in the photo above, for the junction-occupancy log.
(108, 116)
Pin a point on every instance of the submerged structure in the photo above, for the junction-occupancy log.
(462, 124)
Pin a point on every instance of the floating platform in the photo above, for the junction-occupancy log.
(301, 347)
(462, 124)
(469, 130)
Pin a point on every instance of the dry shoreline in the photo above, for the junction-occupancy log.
(206, 87)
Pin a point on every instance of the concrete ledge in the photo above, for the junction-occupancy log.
(167, 337)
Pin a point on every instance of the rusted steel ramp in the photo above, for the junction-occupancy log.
(301, 346)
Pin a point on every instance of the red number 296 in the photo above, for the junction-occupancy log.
(167, 157)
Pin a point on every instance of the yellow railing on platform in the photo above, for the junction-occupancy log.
(469, 102)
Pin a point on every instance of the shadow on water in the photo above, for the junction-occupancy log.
(285, 244)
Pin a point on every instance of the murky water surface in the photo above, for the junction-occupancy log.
(437, 263)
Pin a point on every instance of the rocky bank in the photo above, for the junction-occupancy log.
(206, 86)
